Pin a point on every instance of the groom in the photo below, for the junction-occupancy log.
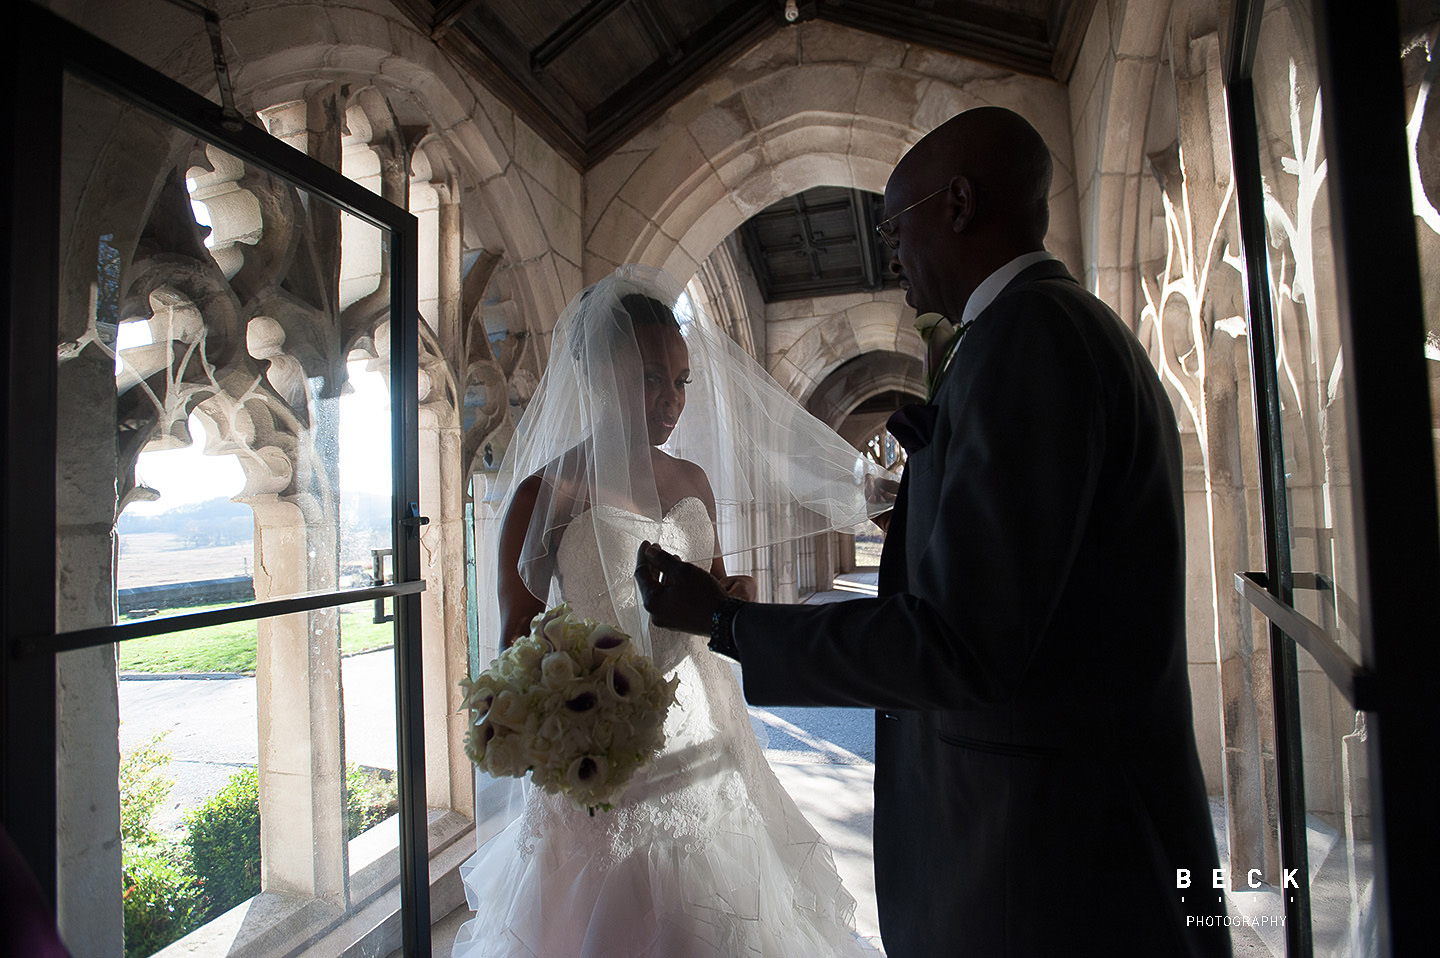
(1037, 784)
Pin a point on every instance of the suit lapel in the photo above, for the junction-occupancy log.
(893, 579)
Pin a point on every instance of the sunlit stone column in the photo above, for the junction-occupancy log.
(783, 579)
(449, 782)
(297, 673)
(87, 699)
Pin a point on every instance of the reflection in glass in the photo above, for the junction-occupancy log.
(1421, 64)
(1337, 803)
(1312, 376)
(242, 392)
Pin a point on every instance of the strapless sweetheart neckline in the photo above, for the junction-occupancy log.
(674, 508)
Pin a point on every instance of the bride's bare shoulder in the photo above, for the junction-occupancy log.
(681, 478)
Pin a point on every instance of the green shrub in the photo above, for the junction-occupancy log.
(144, 784)
(371, 795)
(224, 843)
(162, 899)
(218, 867)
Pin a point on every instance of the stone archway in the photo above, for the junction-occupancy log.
(806, 367)
(815, 105)
(837, 400)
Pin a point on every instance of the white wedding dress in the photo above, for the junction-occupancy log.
(705, 855)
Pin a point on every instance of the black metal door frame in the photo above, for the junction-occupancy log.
(31, 111)
(1393, 492)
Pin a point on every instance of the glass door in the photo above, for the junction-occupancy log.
(211, 493)
(1318, 129)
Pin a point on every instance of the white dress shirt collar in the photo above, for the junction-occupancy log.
(996, 282)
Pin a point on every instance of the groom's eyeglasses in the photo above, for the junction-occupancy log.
(886, 227)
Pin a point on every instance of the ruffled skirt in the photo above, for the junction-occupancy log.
(706, 856)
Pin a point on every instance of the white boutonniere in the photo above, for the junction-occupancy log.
(940, 336)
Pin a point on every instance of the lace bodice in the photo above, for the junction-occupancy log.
(598, 579)
(680, 791)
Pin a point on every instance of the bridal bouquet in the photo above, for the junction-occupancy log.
(572, 703)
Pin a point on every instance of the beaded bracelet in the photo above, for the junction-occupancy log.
(722, 631)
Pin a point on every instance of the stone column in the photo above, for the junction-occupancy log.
(826, 546)
(785, 586)
(1247, 709)
(297, 676)
(449, 781)
(844, 547)
(762, 561)
(87, 698)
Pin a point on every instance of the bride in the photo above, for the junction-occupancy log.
(649, 426)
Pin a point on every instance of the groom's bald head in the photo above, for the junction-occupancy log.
(1005, 160)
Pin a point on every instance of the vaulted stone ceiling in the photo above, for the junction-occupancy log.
(817, 243)
(588, 74)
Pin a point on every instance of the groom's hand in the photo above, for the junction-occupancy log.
(677, 594)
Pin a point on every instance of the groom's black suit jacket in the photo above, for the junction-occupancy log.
(1037, 784)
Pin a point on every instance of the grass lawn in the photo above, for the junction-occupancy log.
(231, 647)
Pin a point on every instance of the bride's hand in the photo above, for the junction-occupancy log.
(739, 586)
(881, 491)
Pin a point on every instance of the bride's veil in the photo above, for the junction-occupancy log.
(777, 472)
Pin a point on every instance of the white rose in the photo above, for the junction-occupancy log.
(509, 710)
(545, 702)
(557, 670)
(502, 757)
(612, 733)
(540, 751)
(550, 728)
(521, 660)
(577, 739)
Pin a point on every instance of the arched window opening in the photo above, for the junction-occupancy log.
(181, 527)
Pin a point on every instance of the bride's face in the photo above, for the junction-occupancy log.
(665, 364)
